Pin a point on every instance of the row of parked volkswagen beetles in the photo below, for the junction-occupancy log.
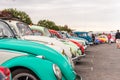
(30, 52)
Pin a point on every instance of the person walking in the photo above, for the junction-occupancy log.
(117, 37)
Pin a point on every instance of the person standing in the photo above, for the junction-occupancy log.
(117, 37)
(109, 38)
(93, 38)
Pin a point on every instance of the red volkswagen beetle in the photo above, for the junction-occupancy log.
(55, 33)
(79, 45)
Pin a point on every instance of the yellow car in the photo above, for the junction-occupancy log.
(102, 38)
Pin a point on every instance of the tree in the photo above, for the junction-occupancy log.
(48, 24)
(65, 28)
(19, 14)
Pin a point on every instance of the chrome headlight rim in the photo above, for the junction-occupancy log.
(57, 72)
(71, 62)
(72, 51)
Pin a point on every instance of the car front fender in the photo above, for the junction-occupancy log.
(42, 68)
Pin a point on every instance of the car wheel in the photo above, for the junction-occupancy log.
(23, 74)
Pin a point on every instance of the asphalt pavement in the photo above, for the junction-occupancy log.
(102, 62)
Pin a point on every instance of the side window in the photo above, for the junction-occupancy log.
(5, 30)
(85, 34)
(13, 28)
(81, 35)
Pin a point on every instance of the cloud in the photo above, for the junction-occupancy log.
(84, 14)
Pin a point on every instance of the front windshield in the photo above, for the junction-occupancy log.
(47, 33)
(5, 30)
(37, 32)
(24, 29)
(40, 32)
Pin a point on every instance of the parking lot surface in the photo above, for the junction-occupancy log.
(102, 62)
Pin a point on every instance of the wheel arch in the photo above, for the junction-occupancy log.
(22, 67)
(43, 69)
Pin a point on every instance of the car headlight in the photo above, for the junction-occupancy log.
(78, 77)
(57, 72)
(71, 62)
(79, 52)
(73, 53)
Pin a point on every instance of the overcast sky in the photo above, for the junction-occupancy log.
(84, 15)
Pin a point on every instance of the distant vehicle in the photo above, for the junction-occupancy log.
(69, 48)
(58, 35)
(82, 41)
(84, 35)
(102, 38)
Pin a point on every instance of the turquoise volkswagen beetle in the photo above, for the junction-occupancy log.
(23, 63)
(32, 61)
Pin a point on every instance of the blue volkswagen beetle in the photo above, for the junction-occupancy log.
(84, 35)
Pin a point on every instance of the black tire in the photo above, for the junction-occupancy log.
(23, 74)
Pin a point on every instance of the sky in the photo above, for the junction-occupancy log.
(80, 15)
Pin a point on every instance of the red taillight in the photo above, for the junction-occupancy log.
(5, 72)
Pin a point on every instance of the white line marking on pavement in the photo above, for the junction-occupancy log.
(91, 68)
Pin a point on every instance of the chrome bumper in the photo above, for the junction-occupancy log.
(77, 58)
(78, 77)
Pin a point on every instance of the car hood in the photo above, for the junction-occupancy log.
(52, 42)
(39, 49)
(43, 39)
(26, 46)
